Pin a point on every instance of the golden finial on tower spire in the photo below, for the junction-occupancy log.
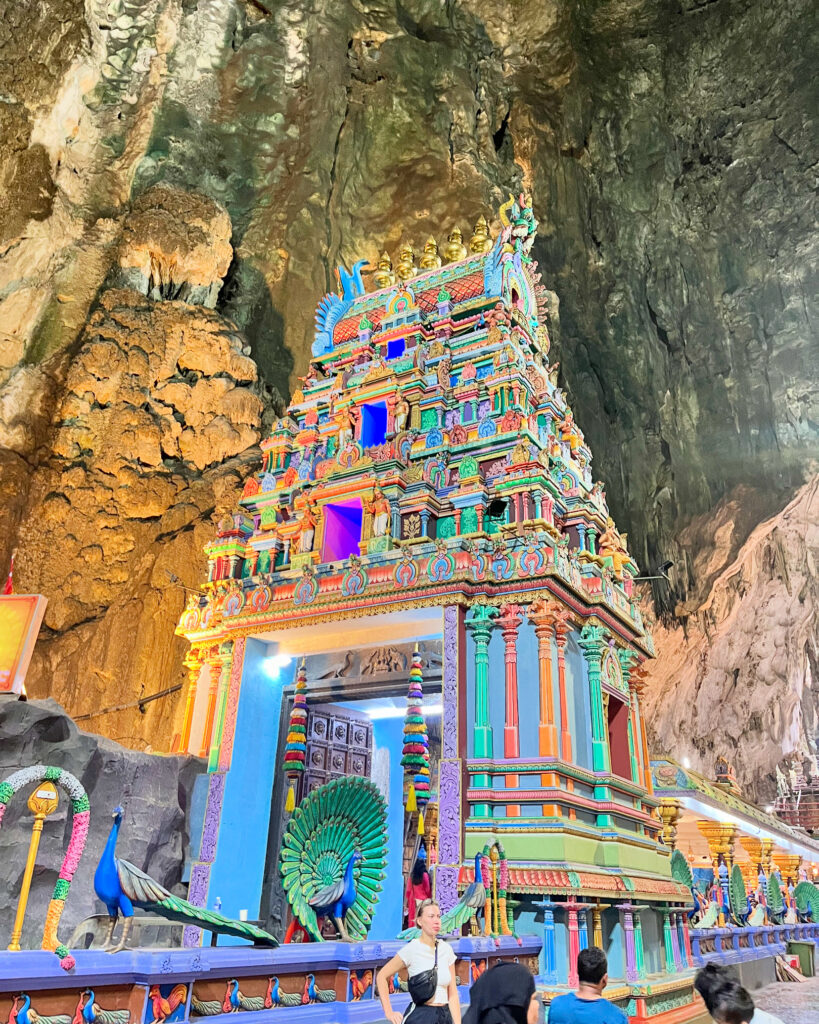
(481, 240)
(455, 250)
(405, 268)
(383, 277)
(430, 258)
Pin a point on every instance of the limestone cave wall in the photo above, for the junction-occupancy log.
(179, 178)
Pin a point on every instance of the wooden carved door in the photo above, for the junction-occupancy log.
(339, 742)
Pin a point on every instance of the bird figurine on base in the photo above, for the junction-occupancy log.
(473, 900)
(121, 886)
(163, 1006)
(317, 995)
(89, 1011)
(279, 998)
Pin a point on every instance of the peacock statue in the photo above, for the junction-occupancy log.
(473, 900)
(121, 887)
(333, 856)
(806, 898)
(776, 905)
(279, 998)
(334, 308)
(739, 903)
(91, 1012)
(26, 1014)
(351, 283)
(317, 995)
(208, 1007)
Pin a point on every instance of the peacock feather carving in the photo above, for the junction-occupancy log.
(775, 902)
(333, 856)
(806, 897)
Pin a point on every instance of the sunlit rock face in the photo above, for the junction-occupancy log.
(742, 680)
(668, 151)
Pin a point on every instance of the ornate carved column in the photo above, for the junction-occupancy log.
(215, 670)
(574, 943)
(194, 661)
(670, 962)
(765, 855)
(720, 839)
(480, 623)
(626, 910)
(670, 811)
(637, 685)
(788, 864)
(542, 616)
(549, 952)
(597, 923)
(509, 621)
(562, 628)
(225, 661)
(592, 642)
(450, 768)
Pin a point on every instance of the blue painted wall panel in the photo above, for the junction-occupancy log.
(238, 871)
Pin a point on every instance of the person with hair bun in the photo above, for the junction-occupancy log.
(433, 986)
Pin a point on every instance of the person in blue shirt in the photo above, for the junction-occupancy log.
(587, 1005)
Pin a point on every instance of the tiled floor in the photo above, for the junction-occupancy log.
(791, 1002)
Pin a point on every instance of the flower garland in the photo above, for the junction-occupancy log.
(295, 750)
(415, 753)
(79, 834)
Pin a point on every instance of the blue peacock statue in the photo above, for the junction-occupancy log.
(121, 887)
(333, 855)
(333, 308)
(473, 900)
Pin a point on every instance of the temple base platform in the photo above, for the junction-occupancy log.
(318, 983)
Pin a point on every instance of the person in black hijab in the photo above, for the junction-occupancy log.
(505, 994)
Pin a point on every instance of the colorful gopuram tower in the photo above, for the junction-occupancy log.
(429, 481)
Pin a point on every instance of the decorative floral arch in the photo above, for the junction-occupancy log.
(79, 833)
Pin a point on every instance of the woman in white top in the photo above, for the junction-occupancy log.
(419, 956)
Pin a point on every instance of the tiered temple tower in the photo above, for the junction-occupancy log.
(429, 480)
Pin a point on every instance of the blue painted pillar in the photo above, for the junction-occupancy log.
(583, 928)
(548, 955)
(237, 873)
(387, 919)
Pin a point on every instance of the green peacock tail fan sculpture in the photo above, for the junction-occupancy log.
(738, 895)
(333, 856)
(806, 897)
(681, 870)
(775, 902)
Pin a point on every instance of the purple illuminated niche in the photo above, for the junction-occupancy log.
(342, 530)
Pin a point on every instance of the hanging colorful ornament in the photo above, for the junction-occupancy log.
(415, 753)
(295, 750)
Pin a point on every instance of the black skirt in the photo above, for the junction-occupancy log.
(427, 1015)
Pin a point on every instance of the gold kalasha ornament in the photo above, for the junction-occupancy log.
(481, 240)
(455, 250)
(405, 268)
(430, 260)
(383, 277)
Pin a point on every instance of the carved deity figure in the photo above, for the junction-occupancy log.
(379, 509)
(569, 431)
(307, 530)
(612, 544)
(346, 425)
(401, 415)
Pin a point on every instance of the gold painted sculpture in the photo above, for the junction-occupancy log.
(384, 277)
(430, 260)
(455, 250)
(481, 240)
(406, 264)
